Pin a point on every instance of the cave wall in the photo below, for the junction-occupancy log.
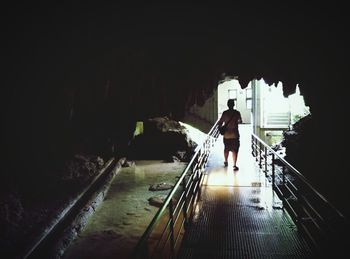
(77, 77)
(207, 110)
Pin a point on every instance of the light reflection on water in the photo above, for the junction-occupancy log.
(121, 219)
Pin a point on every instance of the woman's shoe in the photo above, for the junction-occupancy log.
(225, 164)
(235, 168)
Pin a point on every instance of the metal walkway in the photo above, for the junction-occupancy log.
(237, 214)
(266, 209)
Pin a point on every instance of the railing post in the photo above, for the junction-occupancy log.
(283, 184)
(319, 219)
(184, 209)
(256, 149)
(196, 171)
(273, 170)
(199, 163)
(265, 153)
(252, 145)
(207, 150)
(172, 239)
(260, 155)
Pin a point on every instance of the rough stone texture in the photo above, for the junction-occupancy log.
(21, 233)
(298, 146)
(128, 163)
(80, 220)
(158, 200)
(163, 138)
(81, 168)
(160, 187)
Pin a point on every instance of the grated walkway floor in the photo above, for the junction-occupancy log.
(238, 215)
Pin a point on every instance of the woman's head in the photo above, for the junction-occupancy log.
(231, 103)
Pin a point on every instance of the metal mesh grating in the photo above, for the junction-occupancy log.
(233, 222)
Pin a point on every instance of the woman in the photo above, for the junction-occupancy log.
(231, 118)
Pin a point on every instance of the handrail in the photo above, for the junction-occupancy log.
(309, 209)
(295, 171)
(196, 165)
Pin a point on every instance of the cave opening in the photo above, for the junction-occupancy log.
(264, 107)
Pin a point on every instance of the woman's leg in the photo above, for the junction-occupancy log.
(234, 158)
(235, 154)
(226, 157)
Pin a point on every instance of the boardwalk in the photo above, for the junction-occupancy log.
(238, 216)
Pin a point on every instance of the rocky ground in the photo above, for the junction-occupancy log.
(27, 210)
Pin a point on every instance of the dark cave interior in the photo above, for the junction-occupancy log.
(78, 77)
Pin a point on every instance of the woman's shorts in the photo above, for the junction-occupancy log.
(231, 144)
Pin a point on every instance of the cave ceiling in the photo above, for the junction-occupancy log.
(62, 49)
(281, 43)
(81, 73)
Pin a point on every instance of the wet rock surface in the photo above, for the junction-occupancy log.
(161, 187)
(159, 200)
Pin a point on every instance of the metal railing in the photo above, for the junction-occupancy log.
(322, 223)
(162, 237)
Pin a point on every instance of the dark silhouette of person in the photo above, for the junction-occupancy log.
(232, 118)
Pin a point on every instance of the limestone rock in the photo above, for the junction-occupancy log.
(162, 138)
(160, 187)
(158, 200)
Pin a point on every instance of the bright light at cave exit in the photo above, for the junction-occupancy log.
(273, 101)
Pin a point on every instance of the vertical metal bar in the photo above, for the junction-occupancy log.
(184, 208)
(260, 155)
(207, 150)
(273, 170)
(195, 173)
(265, 153)
(283, 184)
(201, 167)
(172, 239)
(252, 145)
